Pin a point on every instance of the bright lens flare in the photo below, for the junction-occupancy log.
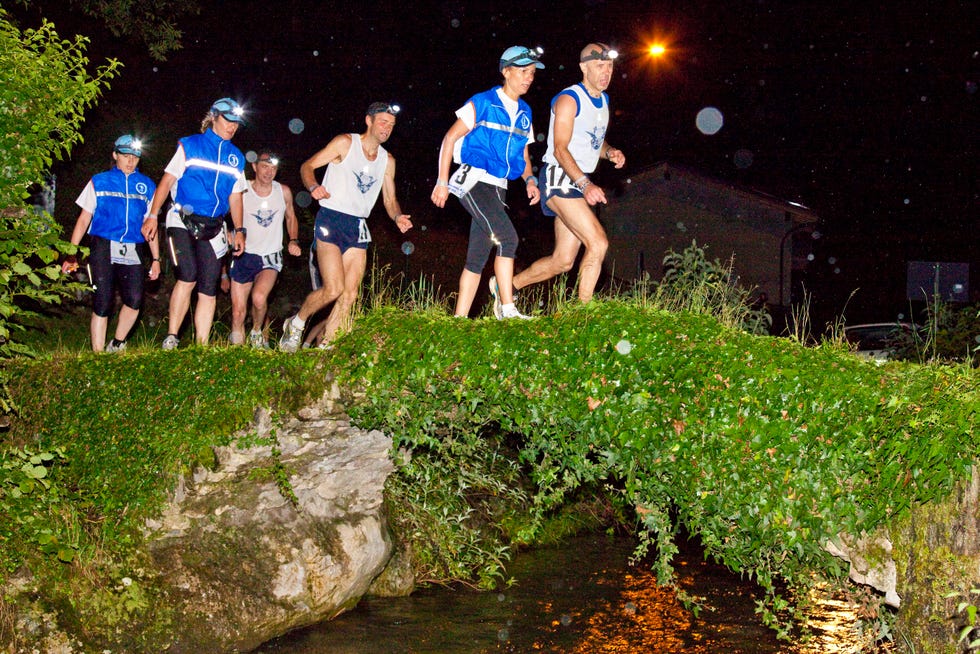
(656, 50)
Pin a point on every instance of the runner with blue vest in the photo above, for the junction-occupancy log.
(489, 141)
(204, 181)
(576, 144)
(114, 205)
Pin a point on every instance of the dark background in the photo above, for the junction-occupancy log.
(867, 115)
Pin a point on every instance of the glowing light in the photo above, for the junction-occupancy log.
(656, 50)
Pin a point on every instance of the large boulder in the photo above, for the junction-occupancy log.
(274, 538)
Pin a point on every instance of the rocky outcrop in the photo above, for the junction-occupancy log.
(241, 562)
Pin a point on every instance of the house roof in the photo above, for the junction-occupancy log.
(688, 185)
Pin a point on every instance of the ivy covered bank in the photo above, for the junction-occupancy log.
(763, 449)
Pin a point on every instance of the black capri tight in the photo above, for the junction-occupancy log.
(195, 261)
(108, 277)
(491, 226)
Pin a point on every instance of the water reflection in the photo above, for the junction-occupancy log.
(580, 598)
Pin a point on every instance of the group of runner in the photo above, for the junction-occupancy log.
(214, 209)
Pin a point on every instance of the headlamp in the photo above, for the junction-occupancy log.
(606, 54)
(533, 55)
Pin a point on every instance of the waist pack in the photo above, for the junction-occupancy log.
(202, 228)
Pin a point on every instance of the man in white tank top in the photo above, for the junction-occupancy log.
(267, 205)
(576, 144)
(358, 170)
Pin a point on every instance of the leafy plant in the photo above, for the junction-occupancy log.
(44, 89)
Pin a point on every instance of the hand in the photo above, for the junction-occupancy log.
(294, 249)
(533, 194)
(70, 264)
(319, 192)
(616, 156)
(439, 195)
(239, 245)
(404, 222)
(594, 194)
(149, 229)
(154, 269)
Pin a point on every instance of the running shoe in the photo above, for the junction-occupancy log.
(171, 342)
(514, 313)
(498, 311)
(257, 341)
(115, 346)
(291, 336)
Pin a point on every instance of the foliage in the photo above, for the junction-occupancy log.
(761, 447)
(44, 90)
(692, 282)
(115, 455)
(950, 334)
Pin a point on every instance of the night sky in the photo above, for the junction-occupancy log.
(868, 115)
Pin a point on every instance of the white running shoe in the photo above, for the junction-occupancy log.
(291, 336)
(171, 342)
(116, 347)
(498, 311)
(514, 313)
(257, 341)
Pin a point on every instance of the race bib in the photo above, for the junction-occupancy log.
(555, 179)
(124, 253)
(464, 179)
(363, 233)
(273, 261)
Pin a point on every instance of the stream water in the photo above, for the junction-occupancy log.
(582, 597)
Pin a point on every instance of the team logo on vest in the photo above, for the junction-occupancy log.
(597, 137)
(233, 160)
(141, 188)
(524, 122)
(264, 216)
(365, 181)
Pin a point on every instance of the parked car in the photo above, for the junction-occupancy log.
(877, 341)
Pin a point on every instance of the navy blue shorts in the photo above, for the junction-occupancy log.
(246, 268)
(554, 183)
(341, 229)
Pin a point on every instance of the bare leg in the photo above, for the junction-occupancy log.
(97, 329)
(127, 318)
(355, 263)
(578, 219)
(503, 269)
(559, 261)
(239, 307)
(264, 282)
(180, 302)
(469, 282)
(203, 317)
(331, 264)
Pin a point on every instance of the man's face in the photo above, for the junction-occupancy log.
(598, 73)
(265, 170)
(380, 126)
(519, 78)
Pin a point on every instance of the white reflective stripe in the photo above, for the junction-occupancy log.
(116, 194)
(505, 128)
(211, 165)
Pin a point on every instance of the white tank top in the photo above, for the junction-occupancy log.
(263, 218)
(588, 131)
(354, 183)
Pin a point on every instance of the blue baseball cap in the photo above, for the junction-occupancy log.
(128, 144)
(519, 55)
(228, 109)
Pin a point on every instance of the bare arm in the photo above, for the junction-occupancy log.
(70, 264)
(151, 222)
(441, 192)
(334, 152)
(533, 192)
(292, 224)
(403, 221)
(237, 209)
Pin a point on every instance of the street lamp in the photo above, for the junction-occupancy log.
(814, 234)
